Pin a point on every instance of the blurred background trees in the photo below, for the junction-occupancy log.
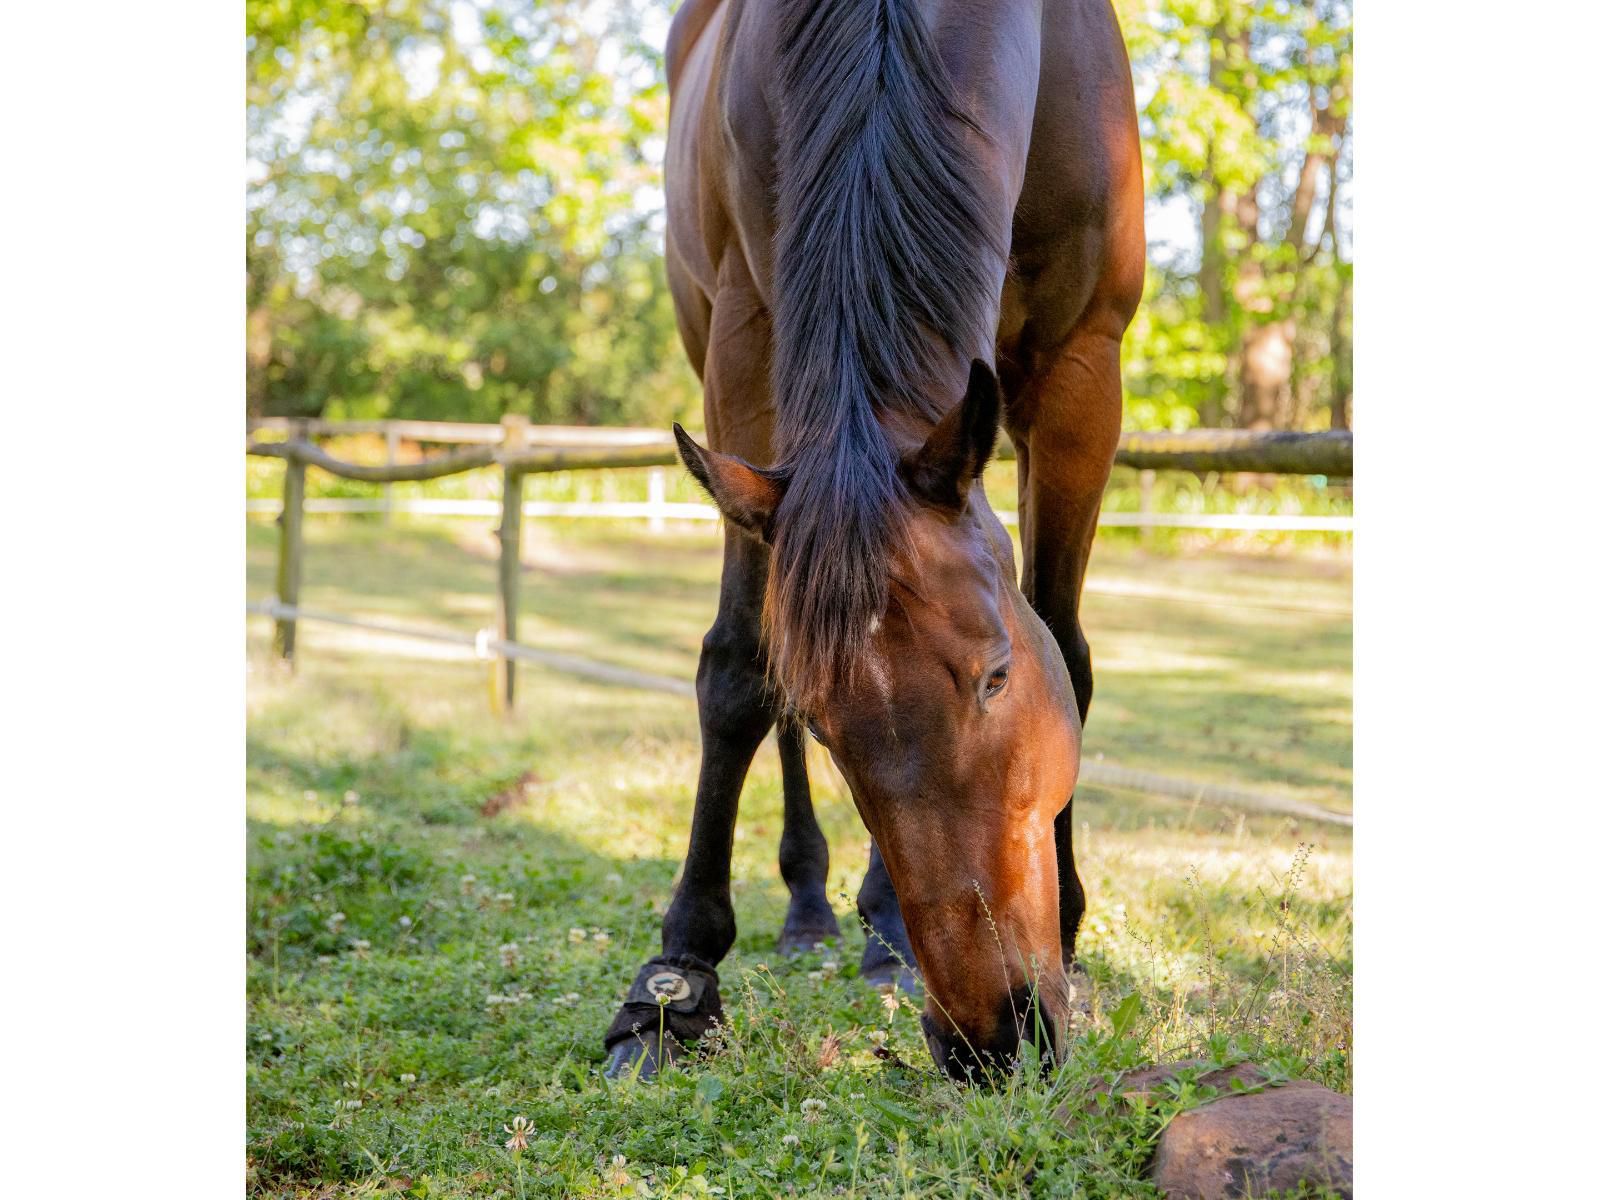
(454, 211)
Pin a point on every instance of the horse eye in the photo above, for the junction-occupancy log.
(996, 681)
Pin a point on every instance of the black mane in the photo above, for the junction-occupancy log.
(885, 252)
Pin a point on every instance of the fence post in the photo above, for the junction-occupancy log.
(505, 670)
(658, 500)
(391, 441)
(291, 546)
(1147, 503)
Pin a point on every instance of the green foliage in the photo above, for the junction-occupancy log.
(1245, 126)
(455, 210)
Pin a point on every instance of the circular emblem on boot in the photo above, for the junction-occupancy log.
(667, 986)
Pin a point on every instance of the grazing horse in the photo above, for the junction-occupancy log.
(893, 225)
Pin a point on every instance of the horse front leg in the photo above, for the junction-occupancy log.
(1065, 421)
(675, 998)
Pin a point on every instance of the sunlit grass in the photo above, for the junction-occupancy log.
(367, 776)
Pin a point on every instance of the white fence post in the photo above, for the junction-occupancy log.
(658, 500)
(391, 441)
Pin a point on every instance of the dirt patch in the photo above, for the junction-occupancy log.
(514, 796)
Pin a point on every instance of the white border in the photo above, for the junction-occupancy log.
(122, 310)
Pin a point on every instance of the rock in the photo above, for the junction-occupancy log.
(1249, 1144)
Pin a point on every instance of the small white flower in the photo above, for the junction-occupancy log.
(600, 938)
(613, 878)
(576, 935)
(352, 797)
(892, 1003)
(618, 1175)
(405, 922)
(468, 884)
(858, 1095)
(812, 1109)
(814, 976)
(510, 955)
(335, 922)
(830, 966)
(361, 945)
(408, 1078)
(878, 1037)
(519, 1129)
(791, 1139)
(571, 998)
(505, 899)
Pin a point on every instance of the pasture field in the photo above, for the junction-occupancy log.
(444, 907)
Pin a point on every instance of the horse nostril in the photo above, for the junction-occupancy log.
(987, 1064)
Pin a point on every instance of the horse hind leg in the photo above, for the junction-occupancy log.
(887, 961)
(802, 853)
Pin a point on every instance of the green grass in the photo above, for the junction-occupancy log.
(368, 771)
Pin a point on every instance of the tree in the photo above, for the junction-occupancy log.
(1248, 121)
(454, 212)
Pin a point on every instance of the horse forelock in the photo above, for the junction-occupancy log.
(884, 253)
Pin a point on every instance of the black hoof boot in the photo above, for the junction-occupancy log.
(643, 1056)
(673, 1002)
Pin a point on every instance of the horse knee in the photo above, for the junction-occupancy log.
(731, 686)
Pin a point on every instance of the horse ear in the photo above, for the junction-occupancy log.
(960, 445)
(747, 496)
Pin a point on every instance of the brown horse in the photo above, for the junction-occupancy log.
(869, 203)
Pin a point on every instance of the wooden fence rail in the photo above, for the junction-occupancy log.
(520, 449)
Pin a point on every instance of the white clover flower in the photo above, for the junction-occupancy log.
(791, 1139)
(408, 1078)
(814, 976)
(811, 1110)
(405, 922)
(510, 955)
(878, 1037)
(519, 1129)
(576, 935)
(361, 945)
(600, 938)
(505, 898)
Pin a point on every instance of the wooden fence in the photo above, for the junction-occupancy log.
(519, 449)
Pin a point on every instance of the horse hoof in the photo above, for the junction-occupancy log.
(892, 977)
(642, 1057)
(792, 944)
